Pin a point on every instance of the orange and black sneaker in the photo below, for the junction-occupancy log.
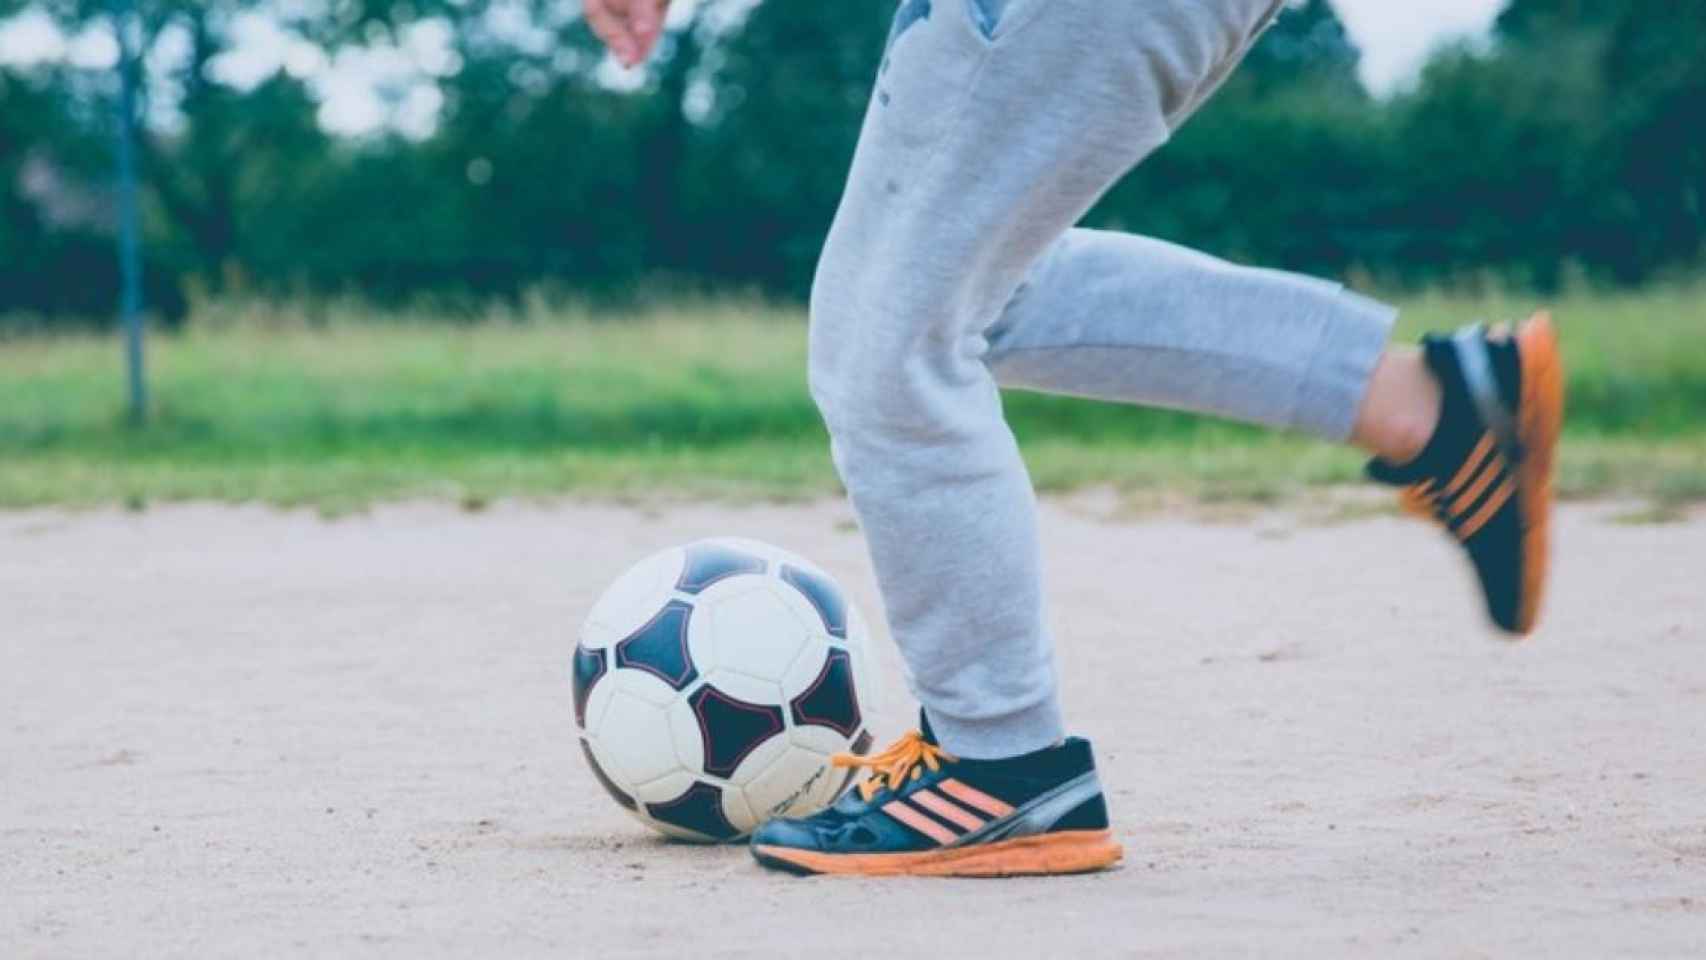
(1486, 474)
(922, 812)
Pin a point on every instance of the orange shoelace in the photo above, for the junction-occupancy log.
(905, 760)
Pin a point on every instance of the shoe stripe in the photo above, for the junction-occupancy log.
(1497, 499)
(1040, 814)
(912, 802)
(974, 798)
(1492, 470)
(1470, 465)
(962, 805)
(919, 822)
(947, 810)
(1416, 499)
(1466, 506)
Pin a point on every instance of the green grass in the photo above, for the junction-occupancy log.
(338, 409)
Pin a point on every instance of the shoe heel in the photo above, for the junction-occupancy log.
(1541, 422)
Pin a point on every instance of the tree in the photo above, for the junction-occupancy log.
(770, 155)
(1575, 137)
(56, 221)
(193, 186)
(1535, 20)
(1307, 44)
(1656, 77)
(1285, 166)
(1501, 162)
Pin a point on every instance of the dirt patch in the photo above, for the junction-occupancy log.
(230, 731)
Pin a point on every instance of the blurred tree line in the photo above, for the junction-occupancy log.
(1574, 143)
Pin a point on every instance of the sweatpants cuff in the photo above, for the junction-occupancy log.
(996, 738)
(1351, 345)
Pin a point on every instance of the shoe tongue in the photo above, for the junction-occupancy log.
(850, 803)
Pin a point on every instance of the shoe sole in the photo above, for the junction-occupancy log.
(1069, 851)
(1540, 421)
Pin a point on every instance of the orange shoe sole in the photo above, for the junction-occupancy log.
(1541, 420)
(1072, 851)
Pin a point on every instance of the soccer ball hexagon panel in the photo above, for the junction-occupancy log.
(712, 683)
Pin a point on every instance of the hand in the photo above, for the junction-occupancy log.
(630, 28)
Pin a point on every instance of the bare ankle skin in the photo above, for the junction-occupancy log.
(1401, 408)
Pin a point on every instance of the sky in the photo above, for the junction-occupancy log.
(364, 90)
(1396, 36)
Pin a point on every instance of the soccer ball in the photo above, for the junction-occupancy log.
(712, 682)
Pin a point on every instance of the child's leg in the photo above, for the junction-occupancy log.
(978, 153)
(1134, 320)
(1468, 426)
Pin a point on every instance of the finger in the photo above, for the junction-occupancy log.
(645, 20)
(610, 26)
(644, 43)
(645, 16)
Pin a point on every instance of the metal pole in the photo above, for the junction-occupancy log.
(129, 242)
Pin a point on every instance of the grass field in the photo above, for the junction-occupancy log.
(339, 408)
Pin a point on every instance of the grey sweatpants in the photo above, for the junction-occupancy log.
(952, 267)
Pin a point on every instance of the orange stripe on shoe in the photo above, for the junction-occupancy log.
(1470, 464)
(974, 797)
(1497, 499)
(919, 822)
(947, 810)
(1417, 499)
(1491, 471)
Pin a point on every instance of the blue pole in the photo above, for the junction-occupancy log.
(129, 241)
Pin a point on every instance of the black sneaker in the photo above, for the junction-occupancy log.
(1486, 475)
(922, 812)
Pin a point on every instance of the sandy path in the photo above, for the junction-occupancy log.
(244, 732)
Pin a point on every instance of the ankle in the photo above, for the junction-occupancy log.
(1401, 410)
(1404, 437)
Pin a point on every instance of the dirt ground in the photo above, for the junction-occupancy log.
(243, 732)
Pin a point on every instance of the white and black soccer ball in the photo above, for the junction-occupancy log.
(712, 682)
